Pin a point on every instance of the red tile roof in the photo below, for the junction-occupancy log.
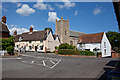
(91, 38)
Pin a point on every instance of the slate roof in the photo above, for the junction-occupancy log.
(3, 27)
(91, 38)
(75, 34)
(32, 36)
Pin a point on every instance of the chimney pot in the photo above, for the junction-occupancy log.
(15, 32)
(4, 19)
(31, 29)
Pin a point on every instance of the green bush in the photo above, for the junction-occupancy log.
(7, 44)
(68, 52)
(56, 47)
(66, 46)
(75, 52)
(99, 53)
(10, 49)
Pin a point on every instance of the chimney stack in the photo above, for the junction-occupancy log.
(31, 29)
(4, 19)
(61, 17)
(15, 32)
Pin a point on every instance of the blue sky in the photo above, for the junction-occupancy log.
(87, 17)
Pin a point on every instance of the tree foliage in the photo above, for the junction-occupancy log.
(114, 38)
(7, 44)
(66, 46)
(48, 28)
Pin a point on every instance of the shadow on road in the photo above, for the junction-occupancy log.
(112, 65)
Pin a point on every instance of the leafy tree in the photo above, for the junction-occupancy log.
(114, 38)
(48, 28)
(66, 46)
(7, 44)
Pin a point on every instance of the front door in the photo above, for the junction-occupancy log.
(36, 48)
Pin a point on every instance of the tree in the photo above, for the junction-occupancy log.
(48, 28)
(66, 46)
(7, 44)
(114, 38)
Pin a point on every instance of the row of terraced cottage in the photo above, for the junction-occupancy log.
(42, 41)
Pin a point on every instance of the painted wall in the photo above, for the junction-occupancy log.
(104, 46)
(107, 46)
(49, 43)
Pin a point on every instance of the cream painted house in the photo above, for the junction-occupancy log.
(94, 41)
(36, 41)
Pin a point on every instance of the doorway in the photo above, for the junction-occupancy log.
(36, 48)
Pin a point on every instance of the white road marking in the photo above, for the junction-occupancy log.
(32, 61)
(56, 64)
(43, 62)
(18, 58)
(52, 62)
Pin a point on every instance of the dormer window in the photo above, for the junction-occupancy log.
(21, 38)
(41, 41)
(30, 41)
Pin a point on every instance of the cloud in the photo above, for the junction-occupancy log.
(19, 30)
(11, 25)
(97, 11)
(41, 6)
(19, 5)
(76, 12)
(52, 17)
(32, 26)
(25, 10)
(66, 4)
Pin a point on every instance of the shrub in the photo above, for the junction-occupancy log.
(56, 47)
(99, 53)
(75, 52)
(66, 46)
(68, 52)
(10, 49)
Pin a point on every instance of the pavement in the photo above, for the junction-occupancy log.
(41, 65)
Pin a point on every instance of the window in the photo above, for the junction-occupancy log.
(30, 47)
(105, 51)
(41, 41)
(20, 38)
(30, 41)
(65, 33)
(17, 46)
(41, 47)
(71, 43)
(104, 44)
(87, 49)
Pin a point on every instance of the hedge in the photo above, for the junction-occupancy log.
(75, 52)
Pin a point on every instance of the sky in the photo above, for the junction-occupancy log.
(87, 17)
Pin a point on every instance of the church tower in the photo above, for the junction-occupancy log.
(62, 30)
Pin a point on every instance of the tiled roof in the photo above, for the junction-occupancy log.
(3, 27)
(32, 36)
(91, 38)
(75, 33)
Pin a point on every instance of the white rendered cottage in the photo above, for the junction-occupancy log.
(36, 40)
(94, 41)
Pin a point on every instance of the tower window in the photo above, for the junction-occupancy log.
(65, 33)
(71, 43)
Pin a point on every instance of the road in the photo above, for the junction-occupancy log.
(39, 65)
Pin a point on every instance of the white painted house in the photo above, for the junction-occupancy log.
(36, 40)
(94, 41)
